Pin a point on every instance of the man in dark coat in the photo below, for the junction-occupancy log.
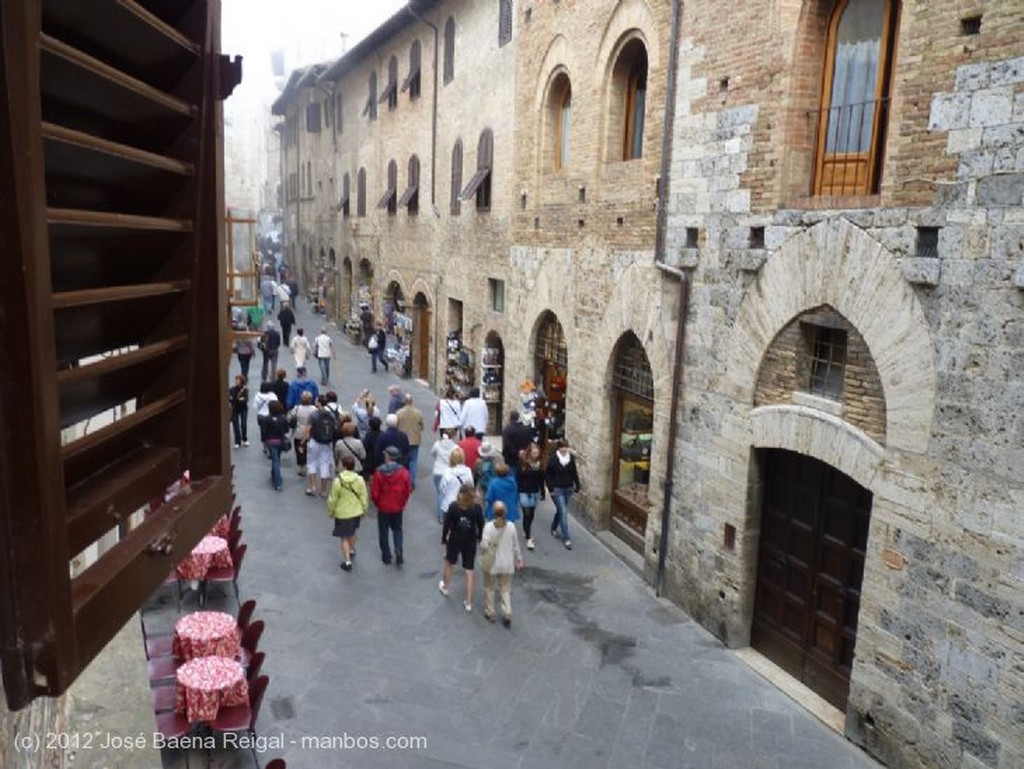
(270, 343)
(514, 438)
(287, 319)
(392, 436)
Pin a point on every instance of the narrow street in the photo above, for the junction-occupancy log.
(595, 670)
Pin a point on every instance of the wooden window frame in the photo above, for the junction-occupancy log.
(85, 335)
(370, 110)
(345, 205)
(631, 95)
(880, 118)
(412, 80)
(410, 199)
(390, 93)
(339, 104)
(562, 98)
(313, 117)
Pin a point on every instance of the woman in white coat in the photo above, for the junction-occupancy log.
(300, 348)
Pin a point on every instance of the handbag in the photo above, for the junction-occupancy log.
(488, 555)
(371, 345)
(286, 445)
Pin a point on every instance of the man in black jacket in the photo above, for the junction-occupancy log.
(514, 438)
(269, 343)
(287, 320)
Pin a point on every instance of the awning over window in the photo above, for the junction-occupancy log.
(413, 74)
(408, 194)
(386, 198)
(474, 184)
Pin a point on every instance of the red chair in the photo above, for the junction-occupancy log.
(242, 718)
(255, 664)
(234, 522)
(157, 644)
(229, 574)
(163, 699)
(234, 537)
(251, 640)
(162, 669)
(277, 763)
(173, 726)
(245, 614)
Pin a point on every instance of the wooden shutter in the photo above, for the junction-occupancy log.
(112, 284)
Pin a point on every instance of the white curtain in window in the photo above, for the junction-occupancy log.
(855, 76)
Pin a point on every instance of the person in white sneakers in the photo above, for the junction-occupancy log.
(463, 527)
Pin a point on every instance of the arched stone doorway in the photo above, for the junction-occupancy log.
(551, 373)
(632, 435)
(420, 337)
(492, 380)
(399, 324)
(346, 289)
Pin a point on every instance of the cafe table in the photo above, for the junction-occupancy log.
(211, 553)
(206, 634)
(206, 684)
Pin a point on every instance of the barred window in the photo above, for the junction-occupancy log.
(828, 362)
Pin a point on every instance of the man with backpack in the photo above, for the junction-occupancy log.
(323, 428)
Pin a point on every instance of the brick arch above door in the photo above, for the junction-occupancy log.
(839, 264)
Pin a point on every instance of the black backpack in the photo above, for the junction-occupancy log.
(322, 428)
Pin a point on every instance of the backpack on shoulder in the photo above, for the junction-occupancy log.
(323, 427)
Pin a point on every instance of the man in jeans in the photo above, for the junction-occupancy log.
(323, 349)
(377, 344)
(390, 488)
(270, 343)
(410, 422)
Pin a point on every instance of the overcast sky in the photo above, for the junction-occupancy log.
(311, 29)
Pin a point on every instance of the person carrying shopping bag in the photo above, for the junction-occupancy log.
(500, 558)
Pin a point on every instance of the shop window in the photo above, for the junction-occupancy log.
(389, 199)
(456, 202)
(560, 119)
(504, 22)
(412, 80)
(390, 92)
(480, 185)
(496, 289)
(361, 192)
(449, 50)
(633, 388)
(410, 199)
(343, 204)
(629, 101)
(854, 108)
(370, 110)
(827, 361)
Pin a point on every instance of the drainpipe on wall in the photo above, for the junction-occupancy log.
(433, 127)
(684, 293)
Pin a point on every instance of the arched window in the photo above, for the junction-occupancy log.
(449, 50)
(855, 97)
(412, 80)
(389, 199)
(504, 22)
(343, 204)
(338, 103)
(560, 119)
(456, 203)
(361, 193)
(309, 178)
(484, 164)
(411, 197)
(371, 102)
(630, 95)
(391, 92)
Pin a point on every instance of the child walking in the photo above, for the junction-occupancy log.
(463, 527)
(507, 559)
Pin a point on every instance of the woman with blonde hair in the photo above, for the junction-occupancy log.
(452, 480)
(463, 527)
(346, 504)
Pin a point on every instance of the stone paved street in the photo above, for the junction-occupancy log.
(594, 672)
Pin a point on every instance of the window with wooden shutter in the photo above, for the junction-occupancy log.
(361, 193)
(456, 201)
(449, 50)
(412, 80)
(112, 285)
(411, 197)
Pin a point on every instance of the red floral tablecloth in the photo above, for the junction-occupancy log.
(210, 553)
(221, 528)
(205, 684)
(206, 634)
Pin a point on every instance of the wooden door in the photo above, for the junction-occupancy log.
(814, 531)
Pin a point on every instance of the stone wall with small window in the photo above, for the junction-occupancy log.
(785, 374)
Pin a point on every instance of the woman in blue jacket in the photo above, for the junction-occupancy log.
(502, 487)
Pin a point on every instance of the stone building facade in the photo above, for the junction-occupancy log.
(840, 254)
(848, 497)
